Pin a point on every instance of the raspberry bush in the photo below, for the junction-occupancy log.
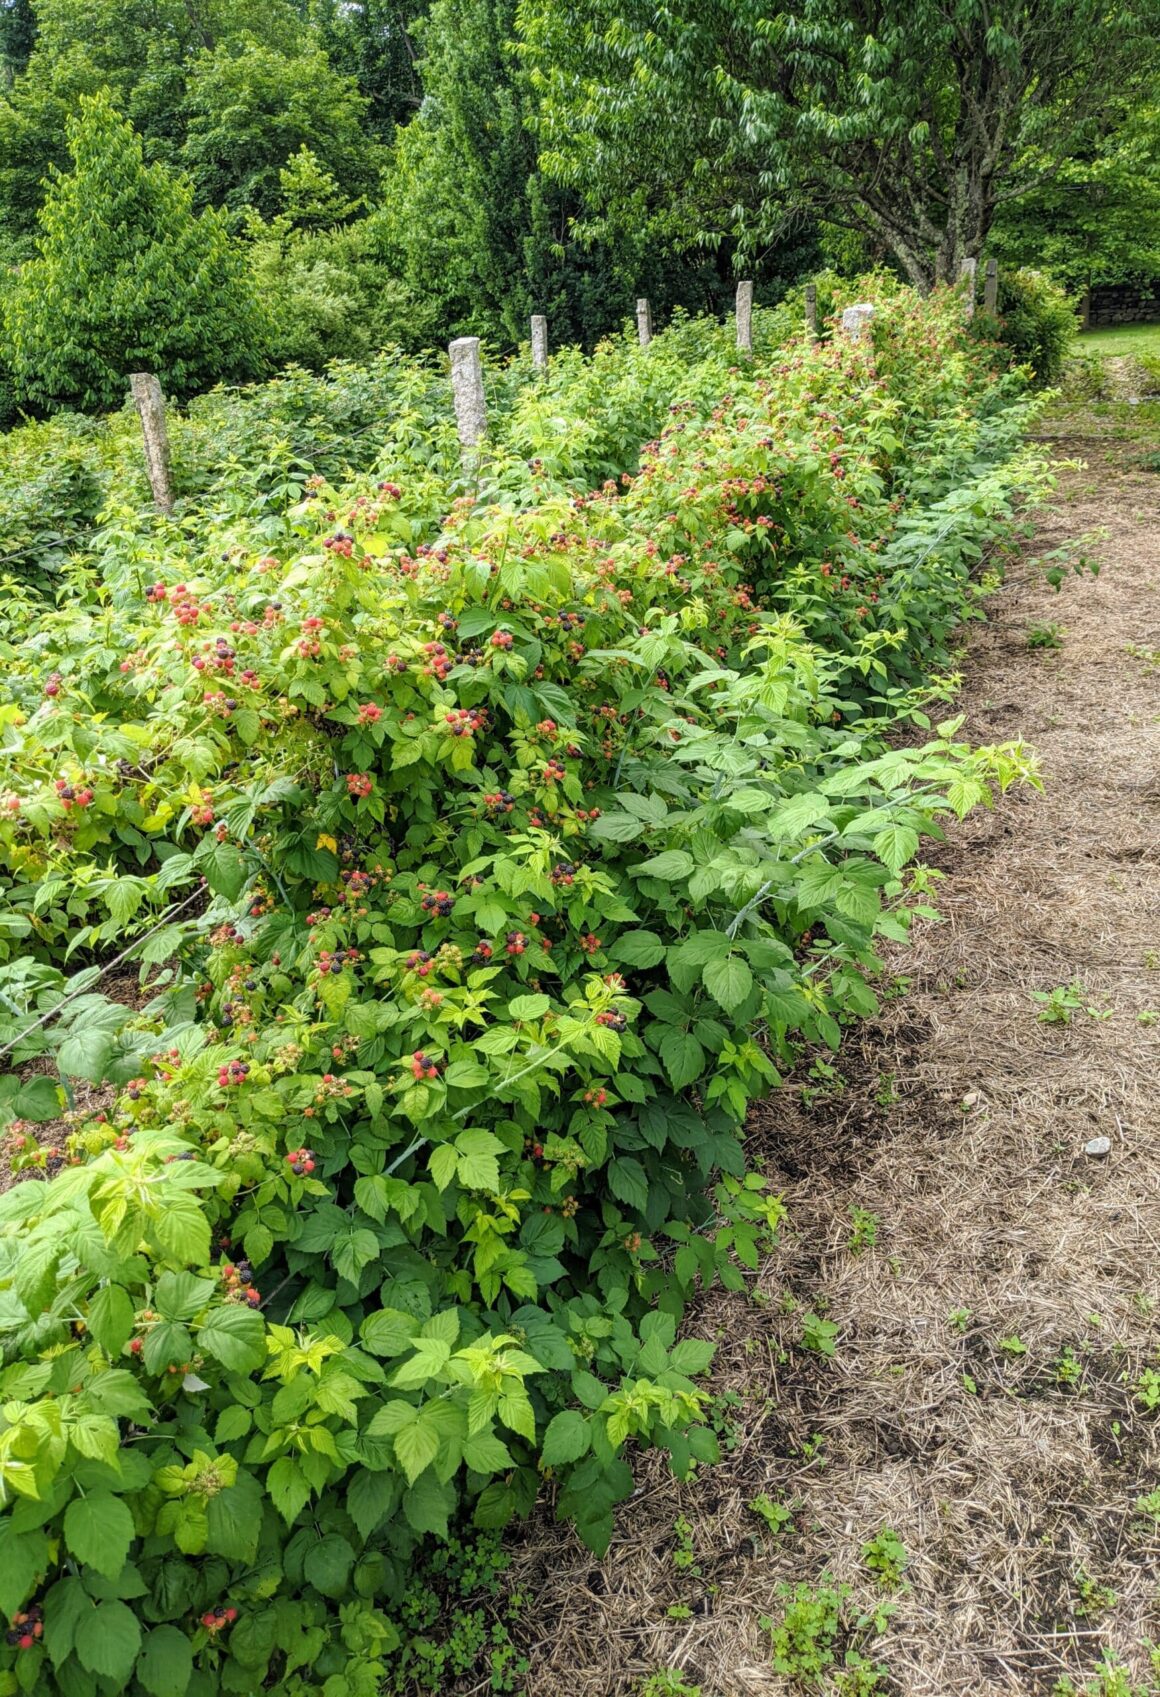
(491, 845)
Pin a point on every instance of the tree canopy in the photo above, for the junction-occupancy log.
(126, 276)
(911, 121)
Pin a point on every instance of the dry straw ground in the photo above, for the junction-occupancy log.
(980, 1400)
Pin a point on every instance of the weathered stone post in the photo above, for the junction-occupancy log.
(856, 320)
(812, 311)
(539, 341)
(1085, 310)
(967, 271)
(991, 287)
(146, 390)
(644, 321)
(745, 318)
(467, 388)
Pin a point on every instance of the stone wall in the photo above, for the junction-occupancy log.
(1126, 303)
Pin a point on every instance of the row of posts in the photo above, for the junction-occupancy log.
(467, 359)
(467, 366)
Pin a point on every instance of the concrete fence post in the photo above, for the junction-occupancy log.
(539, 341)
(856, 320)
(967, 271)
(1085, 310)
(150, 402)
(745, 317)
(644, 321)
(467, 388)
(991, 287)
(812, 311)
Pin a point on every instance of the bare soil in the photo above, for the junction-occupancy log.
(982, 1400)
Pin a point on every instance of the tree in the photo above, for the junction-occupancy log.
(250, 108)
(126, 277)
(482, 238)
(141, 51)
(1097, 219)
(373, 41)
(913, 121)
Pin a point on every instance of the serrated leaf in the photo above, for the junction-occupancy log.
(729, 981)
(567, 1438)
(110, 1318)
(797, 814)
(165, 1665)
(107, 1641)
(235, 1336)
(671, 867)
(638, 948)
(98, 1530)
(683, 1058)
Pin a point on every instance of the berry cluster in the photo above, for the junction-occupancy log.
(498, 802)
(359, 783)
(71, 797)
(438, 902)
(502, 639)
(333, 962)
(515, 943)
(217, 1619)
(422, 1066)
(27, 1627)
(465, 721)
(235, 1072)
(565, 873)
(614, 1021)
(341, 542)
(421, 962)
(369, 713)
(52, 685)
(439, 663)
(300, 1162)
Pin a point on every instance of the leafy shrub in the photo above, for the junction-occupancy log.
(1036, 321)
(495, 844)
(125, 278)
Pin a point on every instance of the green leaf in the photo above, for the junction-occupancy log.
(528, 1007)
(288, 1487)
(427, 1504)
(895, 845)
(224, 869)
(683, 1058)
(430, 1358)
(18, 1567)
(691, 1355)
(166, 1344)
(98, 1530)
(328, 1563)
(797, 814)
(107, 1641)
(110, 1318)
(638, 948)
(179, 1296)
(671, 867)
(566, 1439)
(628, 1182)
(466, 1075)
(235, 1336)
(38, 1099)
(485, 1453)
(86, 1054)
(165, 1664)
(729, 981)
(388, 1331)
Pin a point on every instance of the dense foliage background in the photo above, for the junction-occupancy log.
(382, 173)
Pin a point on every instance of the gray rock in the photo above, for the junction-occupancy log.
(1098, 1147)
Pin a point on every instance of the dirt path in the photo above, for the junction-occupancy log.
(981, 1398)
